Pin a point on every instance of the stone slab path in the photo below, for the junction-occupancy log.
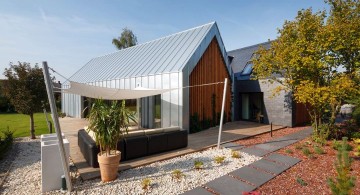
(252, 176)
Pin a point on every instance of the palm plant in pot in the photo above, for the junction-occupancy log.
(109, 123)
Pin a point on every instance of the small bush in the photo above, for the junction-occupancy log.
(146, 183)
(301, 181)
(306, 151)
(319, 150)
(219, 159)
(289, 151)
(338, 144)
(344, 182)
(298, 146)
(198, 164)
(355, 135)
(177, 174)
(5, 141)
(235, 154)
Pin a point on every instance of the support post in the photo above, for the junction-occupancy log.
(271, 129)
(222, 113)
(50, 92)
(48, 122)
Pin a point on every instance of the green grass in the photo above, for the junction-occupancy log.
(20, 124)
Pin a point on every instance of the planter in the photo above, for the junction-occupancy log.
(109, 166)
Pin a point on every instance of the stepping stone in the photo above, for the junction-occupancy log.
(268, 147)
(227, 185)
(198, 191)
(270, 166)
(282, 143)
(255, 151)
(232, 146)
(287, 160)
(252, 175)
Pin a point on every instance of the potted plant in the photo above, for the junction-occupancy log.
(109, 122)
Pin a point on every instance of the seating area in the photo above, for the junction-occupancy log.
(136, 143)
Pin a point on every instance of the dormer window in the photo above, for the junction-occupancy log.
(248, 69)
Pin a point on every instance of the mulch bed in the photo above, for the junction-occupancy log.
(313, 170)
(266, 136)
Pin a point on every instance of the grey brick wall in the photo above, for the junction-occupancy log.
(278, 108)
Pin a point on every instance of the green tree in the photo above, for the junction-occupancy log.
(308, 58)
(126, 39)
(344, 182)
(26, 90)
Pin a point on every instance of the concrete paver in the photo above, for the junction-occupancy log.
(252, 175)
(227, 185)
(270, 166)
(287, 160)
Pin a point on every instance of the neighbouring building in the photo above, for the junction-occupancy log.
(254, 99)
(192, 57)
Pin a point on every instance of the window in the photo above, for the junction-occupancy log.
(248, 69)
(157, 111)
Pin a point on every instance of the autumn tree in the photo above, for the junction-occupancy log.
(126, 39)
(308, 59)
(25, 87)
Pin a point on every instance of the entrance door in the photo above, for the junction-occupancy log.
(245, 106)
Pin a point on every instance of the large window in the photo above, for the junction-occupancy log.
(157, 110)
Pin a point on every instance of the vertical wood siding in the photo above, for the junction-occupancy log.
(301, 115)
(210, 68)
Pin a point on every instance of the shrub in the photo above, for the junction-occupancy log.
(298, 146)
(344, 182)
(235, 154)
(6, 141)
(356, 115)
(177, 174)
(355, 135)
(219, 159)
(337, 145)
(288, 151)
(146, 183)
(306, 151)
(198, 164)
(301, 181)
(319, 150)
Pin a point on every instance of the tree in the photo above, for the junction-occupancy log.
(26, 90)
(127, 39)
(308, 57)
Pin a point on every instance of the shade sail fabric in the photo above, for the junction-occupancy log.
(111, 93)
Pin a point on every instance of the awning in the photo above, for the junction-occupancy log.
(111, 93)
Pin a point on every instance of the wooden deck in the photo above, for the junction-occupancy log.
(198, 141)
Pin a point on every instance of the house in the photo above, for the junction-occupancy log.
(192, 57)
(254, 99)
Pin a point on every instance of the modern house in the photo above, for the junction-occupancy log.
(189, 58)
(254, 99)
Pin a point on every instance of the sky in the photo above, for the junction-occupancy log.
(67, 34)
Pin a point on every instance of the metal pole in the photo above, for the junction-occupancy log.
(50, 92)
(271, 129)
(47, 121)
(222, 113)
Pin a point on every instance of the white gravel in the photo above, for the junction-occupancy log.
(25, 175)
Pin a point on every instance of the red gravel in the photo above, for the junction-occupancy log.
(266, 137)
(314, 171)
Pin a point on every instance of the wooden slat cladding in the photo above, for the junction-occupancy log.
(210, 68)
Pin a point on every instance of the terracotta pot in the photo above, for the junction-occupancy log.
(109, 166)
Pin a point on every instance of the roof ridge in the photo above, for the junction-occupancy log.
(210, 23)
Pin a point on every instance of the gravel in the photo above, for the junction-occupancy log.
(25, 173)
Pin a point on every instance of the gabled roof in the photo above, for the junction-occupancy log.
(243, 56)
(168, 54)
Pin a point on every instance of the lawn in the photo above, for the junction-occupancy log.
(20, 124)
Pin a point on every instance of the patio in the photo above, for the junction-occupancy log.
(196, 142)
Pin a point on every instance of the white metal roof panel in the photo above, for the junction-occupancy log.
(167, 54)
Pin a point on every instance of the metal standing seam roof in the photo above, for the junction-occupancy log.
(243, 55)
(167, 54)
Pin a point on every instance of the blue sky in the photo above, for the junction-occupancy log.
(67, 34)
